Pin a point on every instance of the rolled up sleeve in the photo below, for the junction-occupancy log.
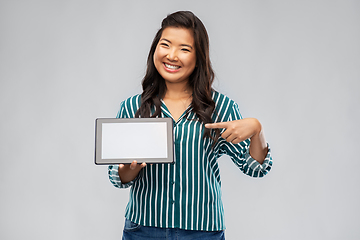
(113, 172)
(240, 155)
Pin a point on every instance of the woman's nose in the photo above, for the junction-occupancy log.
(172, 56)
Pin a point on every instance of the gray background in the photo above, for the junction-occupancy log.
(294, 65)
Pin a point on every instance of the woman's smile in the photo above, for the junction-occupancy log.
(171, 68)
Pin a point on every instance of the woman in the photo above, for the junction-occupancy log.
(183, 199)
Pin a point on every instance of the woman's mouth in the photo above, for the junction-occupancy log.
(171, 68)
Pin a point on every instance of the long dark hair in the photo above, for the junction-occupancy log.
(200, 80)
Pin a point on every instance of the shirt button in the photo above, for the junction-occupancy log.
(172, 182)
(172, 201)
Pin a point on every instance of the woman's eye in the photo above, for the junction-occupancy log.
(185, 50)
(164, 44)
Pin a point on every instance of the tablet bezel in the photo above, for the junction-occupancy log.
(98, 141)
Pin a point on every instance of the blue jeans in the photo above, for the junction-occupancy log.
(133, 231)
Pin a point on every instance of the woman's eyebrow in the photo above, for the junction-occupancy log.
(184, 45)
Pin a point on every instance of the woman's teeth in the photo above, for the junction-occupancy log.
(171, 66)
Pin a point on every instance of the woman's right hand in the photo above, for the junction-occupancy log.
(128, 172)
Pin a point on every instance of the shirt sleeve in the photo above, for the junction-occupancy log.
(113, 170)
(114, 178)
(240, 155)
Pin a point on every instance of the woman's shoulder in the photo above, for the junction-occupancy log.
(132, 100)
(129, 106)
(221, 99)
(225, 108)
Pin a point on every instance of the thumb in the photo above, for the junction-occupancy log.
(133, 165)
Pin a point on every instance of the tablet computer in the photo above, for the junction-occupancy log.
(123, 140)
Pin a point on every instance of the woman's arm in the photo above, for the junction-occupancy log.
(240, 130)
(258, 146)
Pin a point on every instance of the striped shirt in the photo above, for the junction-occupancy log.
(186, 194)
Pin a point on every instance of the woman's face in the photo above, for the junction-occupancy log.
(175, 56)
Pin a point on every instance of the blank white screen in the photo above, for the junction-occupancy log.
(134, 140)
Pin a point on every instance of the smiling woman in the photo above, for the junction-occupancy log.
(184, 199)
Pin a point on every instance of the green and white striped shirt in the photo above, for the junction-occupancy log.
(186, 194)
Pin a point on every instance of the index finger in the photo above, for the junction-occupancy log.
(216, 125)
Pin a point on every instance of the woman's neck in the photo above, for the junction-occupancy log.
(178, 91)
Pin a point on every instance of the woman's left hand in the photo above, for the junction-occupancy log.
(238, 130)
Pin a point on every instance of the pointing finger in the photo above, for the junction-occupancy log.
(216, 125)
